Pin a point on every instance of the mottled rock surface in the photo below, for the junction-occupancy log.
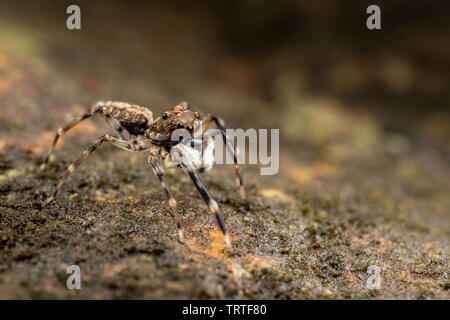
(364, 174)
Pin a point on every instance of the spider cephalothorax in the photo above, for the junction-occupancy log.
(137, 131)
(179, 117)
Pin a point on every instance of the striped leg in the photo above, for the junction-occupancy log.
(233, 151)
(118, 142)
(97, 108)
(200, 185)
(153, 160)
(61, 131)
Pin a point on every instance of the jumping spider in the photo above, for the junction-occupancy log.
(139, 132)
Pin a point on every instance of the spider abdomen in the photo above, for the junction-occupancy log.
(135, 119)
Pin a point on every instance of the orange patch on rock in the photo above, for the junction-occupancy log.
(216, 249)
(238, 267)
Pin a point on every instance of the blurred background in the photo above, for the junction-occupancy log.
(363, 116)
(312, 69)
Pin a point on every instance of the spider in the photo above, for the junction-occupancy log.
(137, 131)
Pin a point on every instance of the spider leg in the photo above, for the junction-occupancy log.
(98, 108)
(63, 130)
(187, 165)
(159, 172)
(115, 141)
(233, 151)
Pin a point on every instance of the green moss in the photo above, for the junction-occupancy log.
(13, 173)
(73, 196)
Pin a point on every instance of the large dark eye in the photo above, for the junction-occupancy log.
(189, 127)
(179, 126)
(165, 115)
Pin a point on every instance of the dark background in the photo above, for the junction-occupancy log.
(154, 53)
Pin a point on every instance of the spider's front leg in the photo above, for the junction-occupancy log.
(159, 172)
(187, 164)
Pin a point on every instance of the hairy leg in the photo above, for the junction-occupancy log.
(187, 165)
(106, 138)
(63, 130)
(97, 108)
(159, 172)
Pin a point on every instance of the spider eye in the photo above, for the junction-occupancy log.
(189, 127)
(179, 126)
(165, 115)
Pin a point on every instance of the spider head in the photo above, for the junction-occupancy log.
(179, 117)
